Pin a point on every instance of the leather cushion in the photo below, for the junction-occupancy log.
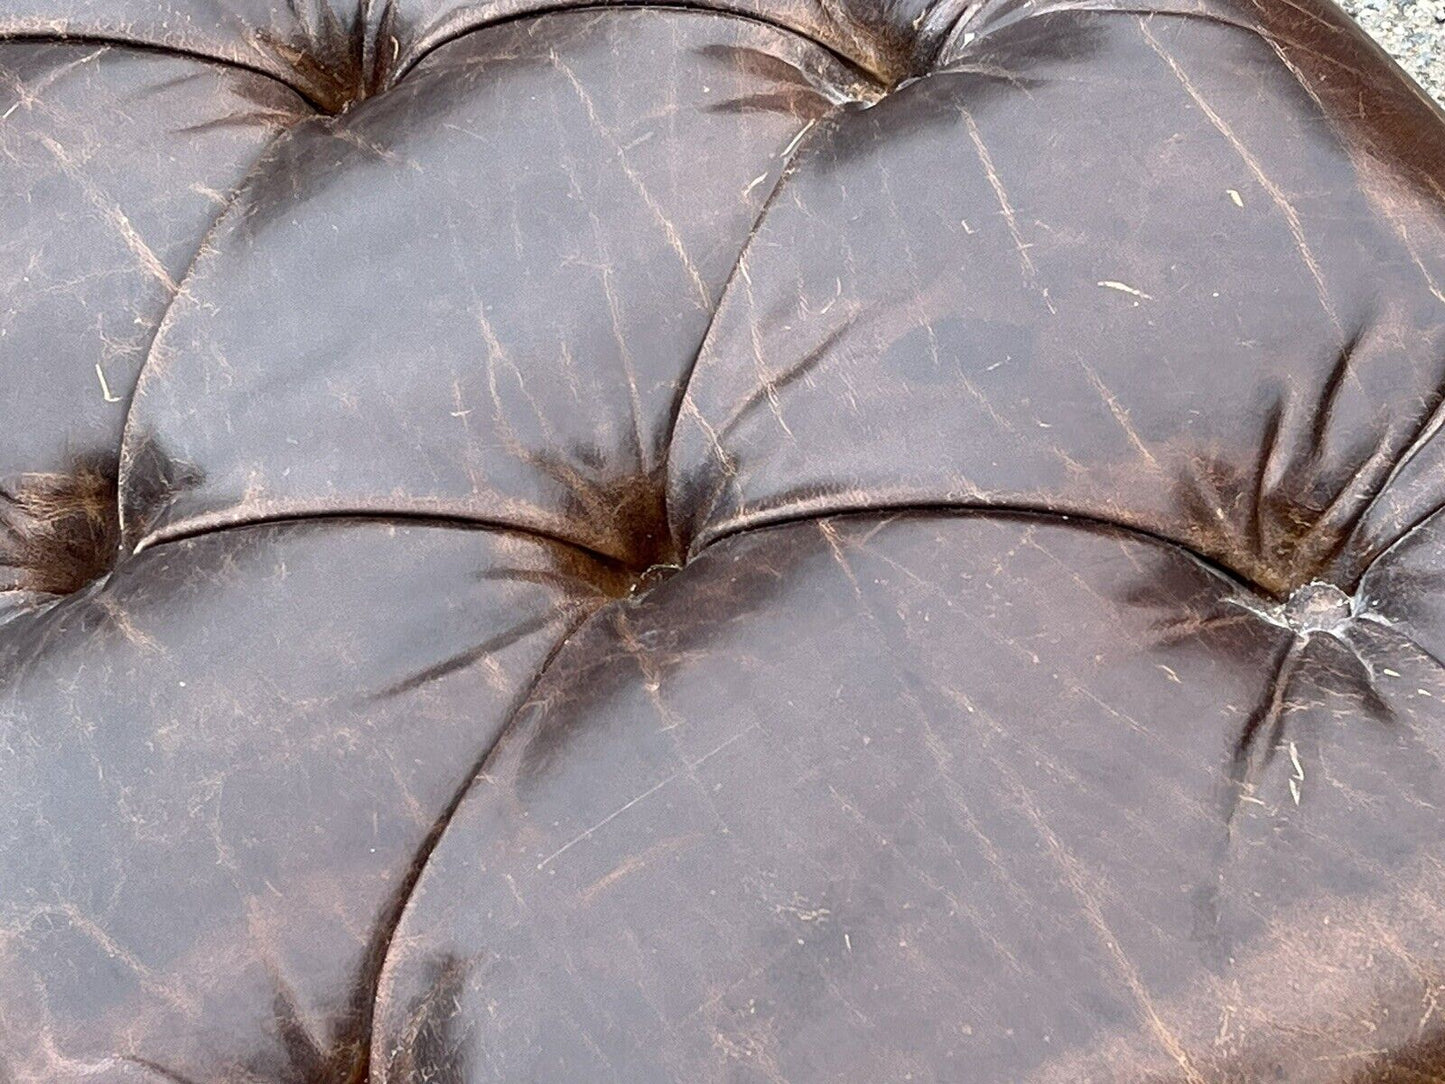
(801, 542)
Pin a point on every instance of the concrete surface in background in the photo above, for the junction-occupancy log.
(1413, 31)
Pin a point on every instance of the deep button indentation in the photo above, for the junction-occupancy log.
(58, 531)
(1317, 607)
(652, 577)
(338, 63)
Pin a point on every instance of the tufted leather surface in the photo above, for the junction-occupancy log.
(861, 540)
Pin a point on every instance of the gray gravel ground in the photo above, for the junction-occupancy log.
(1414, 33)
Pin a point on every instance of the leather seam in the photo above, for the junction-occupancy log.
(985, 511)
(123, 456)
(406, 891)
(424, 48)
(967, 19)
(117, 41)
(684, 387)
(421, 518)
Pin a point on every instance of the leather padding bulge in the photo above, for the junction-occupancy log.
(722, 541)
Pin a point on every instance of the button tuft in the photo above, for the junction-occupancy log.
(1318, 607)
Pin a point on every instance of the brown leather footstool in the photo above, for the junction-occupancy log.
(789, 541)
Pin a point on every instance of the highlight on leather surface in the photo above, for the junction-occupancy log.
(866, 540)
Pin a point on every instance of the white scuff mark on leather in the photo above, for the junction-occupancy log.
(1076, 878)
(105, 386)
(1125, 288)
(112, 213)
(1299, 773)
(1281, 201)
(687, 769)
(797, 139)
(669, 230)
(1121, 414)
(1001, 194)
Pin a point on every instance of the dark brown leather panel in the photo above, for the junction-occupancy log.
(891, 41)
(339, 54)
(1402, 590)
(505, 418)
(556, 236)
(219, 770)
(1320, 44)
(1059, 351)
(1226, 344)
(975, 798)
(1378, 118)
(116, 162)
